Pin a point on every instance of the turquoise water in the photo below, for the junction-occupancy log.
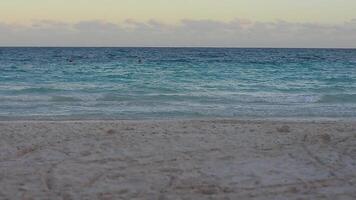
(141, 83)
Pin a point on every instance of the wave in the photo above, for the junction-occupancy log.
(222, 98)
(338, 98)
(19, 98)
(37, 99)
(178, 60)
(301, 99)
(64, 99)
(113, 97)
(40, 90)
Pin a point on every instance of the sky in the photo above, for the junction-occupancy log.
(220, 23)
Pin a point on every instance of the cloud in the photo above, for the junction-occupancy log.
(235, 33)
(96, 26)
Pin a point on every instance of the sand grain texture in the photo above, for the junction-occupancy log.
(193, 159)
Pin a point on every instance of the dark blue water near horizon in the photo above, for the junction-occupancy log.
(159, 83)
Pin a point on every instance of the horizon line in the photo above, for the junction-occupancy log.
(176, 47)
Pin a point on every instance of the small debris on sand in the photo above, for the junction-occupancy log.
(325, 138)
(284, 129)
(110, 131)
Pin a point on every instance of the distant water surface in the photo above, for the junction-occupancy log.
(159, 83)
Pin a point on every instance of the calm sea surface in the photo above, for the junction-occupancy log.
(158, 83)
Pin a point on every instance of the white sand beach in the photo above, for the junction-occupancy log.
(178, 159)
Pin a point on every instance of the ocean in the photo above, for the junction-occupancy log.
(161, 83)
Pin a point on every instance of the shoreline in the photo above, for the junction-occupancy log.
(180, 119)
(178, 159)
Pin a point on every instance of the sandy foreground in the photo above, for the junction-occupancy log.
(192, 159)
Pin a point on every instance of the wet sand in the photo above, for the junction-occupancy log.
(178, 159)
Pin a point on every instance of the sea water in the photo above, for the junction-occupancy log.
(159, 83)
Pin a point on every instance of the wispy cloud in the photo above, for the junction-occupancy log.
(236, 33)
